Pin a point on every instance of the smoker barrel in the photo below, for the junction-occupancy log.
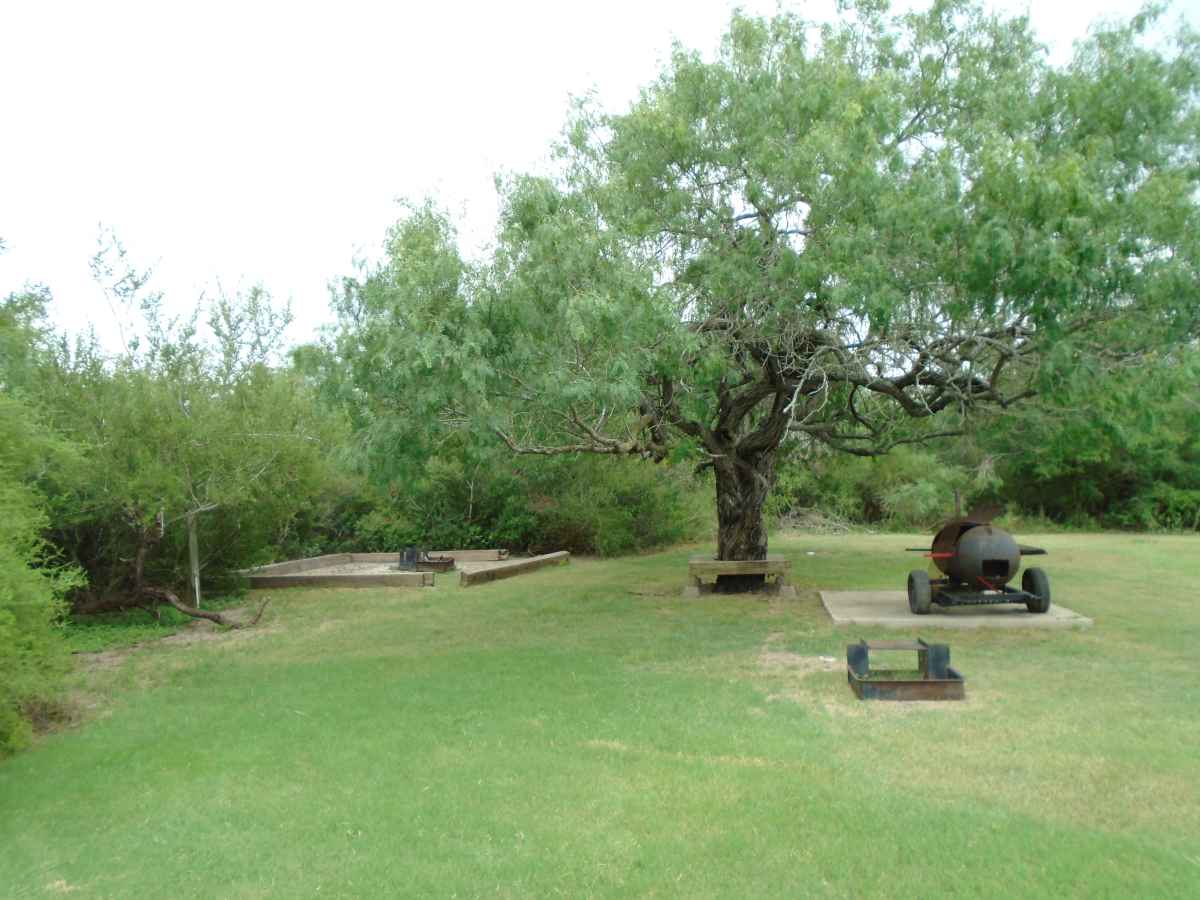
(978, 560)
(985, 556)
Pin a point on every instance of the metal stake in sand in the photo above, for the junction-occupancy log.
(194, 557)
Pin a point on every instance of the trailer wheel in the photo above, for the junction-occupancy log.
(1035, 581)
(920, 594)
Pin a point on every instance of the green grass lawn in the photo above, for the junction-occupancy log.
(584, 731)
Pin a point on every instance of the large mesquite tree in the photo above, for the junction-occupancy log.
(851, 234)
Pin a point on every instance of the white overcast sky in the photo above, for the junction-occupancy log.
(267, 142)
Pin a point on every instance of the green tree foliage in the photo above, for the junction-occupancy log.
(847, 234)
(440, 478)
(911, 487)
(370, 365)
(174, 425)
(32, 653)
(1118, 448)
(581, 504)
(1115, 447)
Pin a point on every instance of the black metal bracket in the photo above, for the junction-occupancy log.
(964, 596)
(938, 680)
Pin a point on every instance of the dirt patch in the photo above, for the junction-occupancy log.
(619, 746)
(104, 660)
(355, 568)
(389, 567)
(202, 631)
(785, 661)
(772, 660)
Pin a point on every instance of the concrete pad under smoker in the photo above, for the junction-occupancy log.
(890, 608)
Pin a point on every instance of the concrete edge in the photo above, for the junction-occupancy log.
(1075, 620)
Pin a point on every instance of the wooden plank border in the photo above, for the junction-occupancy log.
(296, 566)
(514, 567)
(473, 555)
(391, 579)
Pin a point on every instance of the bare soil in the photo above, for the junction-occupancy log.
(389, 568)
(354, 568)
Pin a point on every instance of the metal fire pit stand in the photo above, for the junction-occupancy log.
(937, 682)
(413, 559)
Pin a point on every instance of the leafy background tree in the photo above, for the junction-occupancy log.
(852, 235)
(174, 427)
(1111, 449)
(1119, 448)
(33, 583)
(439, 479)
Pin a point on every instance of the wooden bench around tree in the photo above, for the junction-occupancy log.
(704, 570)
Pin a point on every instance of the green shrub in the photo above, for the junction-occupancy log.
(586, 504)
(33, 656)
(611, 506)
(909, 488)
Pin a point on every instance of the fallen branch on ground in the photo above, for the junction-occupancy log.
(163, 595)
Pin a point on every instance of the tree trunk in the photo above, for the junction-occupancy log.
(743, 485)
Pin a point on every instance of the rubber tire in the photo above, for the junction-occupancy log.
(920, 594)
(1035, 581)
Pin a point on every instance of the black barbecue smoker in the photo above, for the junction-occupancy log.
(977, 561)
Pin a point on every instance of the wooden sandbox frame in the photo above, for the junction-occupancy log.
(513, 567)
(292, 573)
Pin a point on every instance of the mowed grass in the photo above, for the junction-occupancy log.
(584, 731)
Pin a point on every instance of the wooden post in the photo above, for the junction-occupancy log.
(194, 558)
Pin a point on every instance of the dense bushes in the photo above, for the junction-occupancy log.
(1119, 450)
(165, 440)
(32, 652)
(911, 487)
(174, 425)
(585, 504)
(609, 506)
